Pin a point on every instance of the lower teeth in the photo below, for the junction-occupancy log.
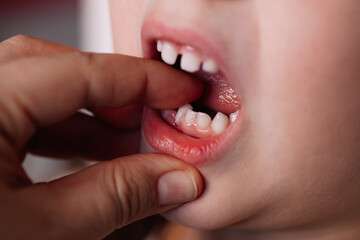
(199, 124)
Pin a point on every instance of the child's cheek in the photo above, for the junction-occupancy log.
(126, 21)
(307, 119)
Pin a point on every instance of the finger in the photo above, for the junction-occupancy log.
(50, 89)
(25, 46)
(128, 117)
(92, 203)
(86, 137)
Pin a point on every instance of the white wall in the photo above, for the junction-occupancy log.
(54, 22)
(95, 26)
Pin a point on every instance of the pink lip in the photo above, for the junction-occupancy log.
(154, 30)
(163, 137)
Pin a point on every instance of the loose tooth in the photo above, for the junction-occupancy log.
(190, 116)
(234, 116)
(159, 46)
(210, 66)
(182, 112)
(169, 54)
(203, 120)
(219, 123)
(190, 62)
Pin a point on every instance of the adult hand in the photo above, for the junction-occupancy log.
(43, 85)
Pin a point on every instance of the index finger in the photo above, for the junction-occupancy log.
(21, 46)
(40, 91)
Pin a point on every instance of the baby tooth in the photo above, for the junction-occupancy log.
(234, 116)
(182, 112)
(219, 123)
(203, 120)
(210, 66)
(190, 116)
(169, 54)
(190, 62)
(159, 46)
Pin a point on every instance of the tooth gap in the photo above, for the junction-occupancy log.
(198, 107)
(177, 63)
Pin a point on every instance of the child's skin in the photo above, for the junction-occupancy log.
(294, 173)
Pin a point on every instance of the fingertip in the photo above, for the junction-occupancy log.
(179, 182)
(128, 117)
(169, 87)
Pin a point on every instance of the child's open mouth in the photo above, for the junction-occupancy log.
(218, 106)
(197, 132)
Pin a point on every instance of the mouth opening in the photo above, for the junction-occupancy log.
(219, 105)
(210, 84)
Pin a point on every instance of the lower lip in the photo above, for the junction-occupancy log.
(166, 139)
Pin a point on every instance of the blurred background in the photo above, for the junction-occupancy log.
(84, 24)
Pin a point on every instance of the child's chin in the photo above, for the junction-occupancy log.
(189, 216)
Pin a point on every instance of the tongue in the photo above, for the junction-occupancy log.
(218, 95)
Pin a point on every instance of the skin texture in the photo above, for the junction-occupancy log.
(42, 86)
(293, 173)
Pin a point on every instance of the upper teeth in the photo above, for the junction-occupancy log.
(210, 66)
(191, 61)
(169, 54)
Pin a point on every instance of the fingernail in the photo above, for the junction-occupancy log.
(176, 187)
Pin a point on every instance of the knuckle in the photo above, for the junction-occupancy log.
(19, 41)
(15, 46)
(125, 193)
(95, 69)
(86, 58)
(88, 64)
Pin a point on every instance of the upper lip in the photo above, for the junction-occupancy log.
(154, 30)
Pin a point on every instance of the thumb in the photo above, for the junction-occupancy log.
(92, 203)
